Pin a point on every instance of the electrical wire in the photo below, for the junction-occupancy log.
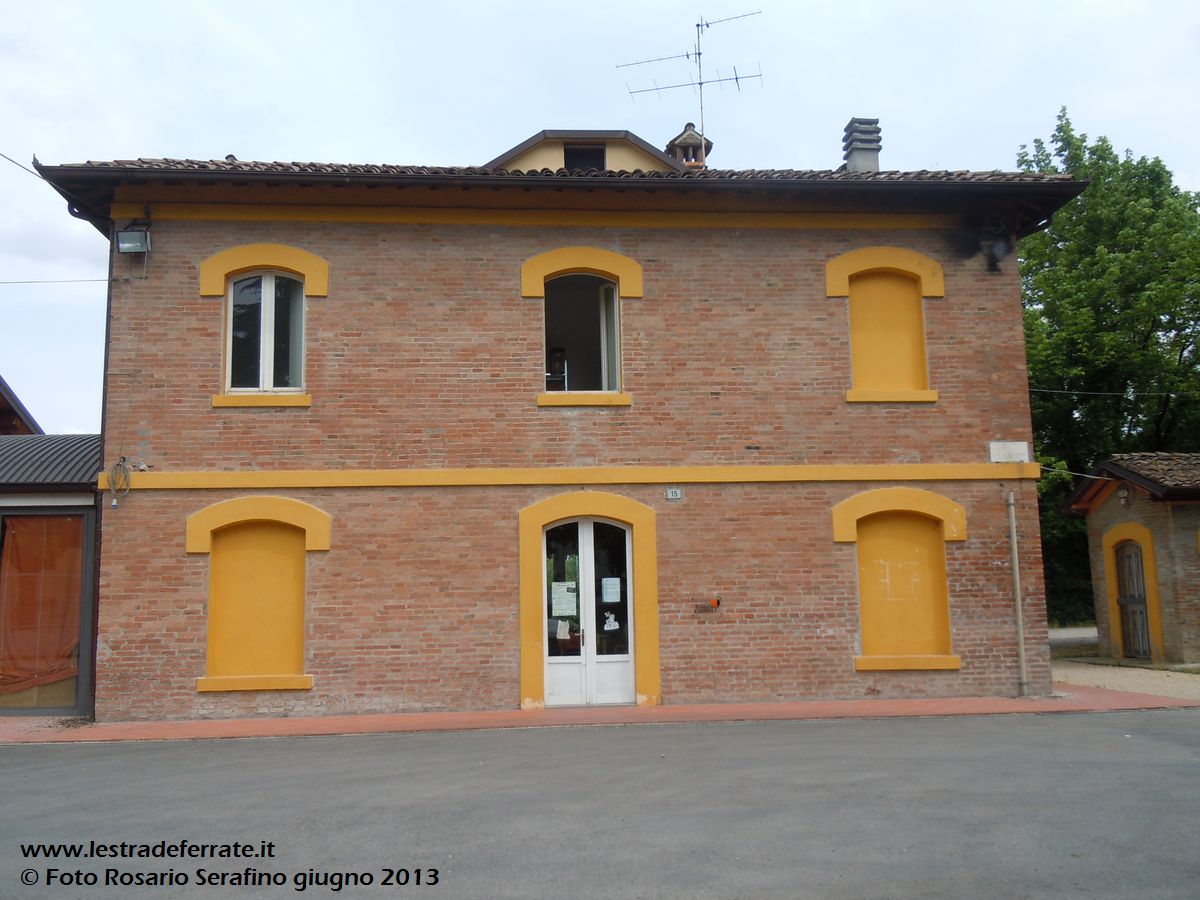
(118, 479)
(54, 281)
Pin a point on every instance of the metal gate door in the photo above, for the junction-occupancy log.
(1131, 598)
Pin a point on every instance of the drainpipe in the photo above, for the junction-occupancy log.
(1016, 576)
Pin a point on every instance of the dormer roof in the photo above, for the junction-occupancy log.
(525, 156)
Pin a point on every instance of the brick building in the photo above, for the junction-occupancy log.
(1143, 517)
(591, 423)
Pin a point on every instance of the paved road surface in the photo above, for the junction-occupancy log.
(1098, 805)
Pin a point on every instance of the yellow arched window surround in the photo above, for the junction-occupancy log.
(626, 274)
(537, 270)
(531, 522)
(899, 499)
(1141, 535)
(256, 598)
(886, 287)
(216, 269)
(216, 273)
(904, 614)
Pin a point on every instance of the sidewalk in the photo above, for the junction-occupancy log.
(1068, 698)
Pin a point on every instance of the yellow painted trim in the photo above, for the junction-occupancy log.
(900, 499)
(584, 398)
(233, 212)
(224, 400)
(897, 396)
(928, 272)
(314, 522)
(641, 519)
(537, 270)
(254, 683)
(887, 663)
(500, 477)
(216, 269)
(1132, 531)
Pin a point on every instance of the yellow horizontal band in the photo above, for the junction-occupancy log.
(584, 398)
(875, 396)
(233, 212)
(262, 400)
(493, 477)
(255, 683)
(884, 663)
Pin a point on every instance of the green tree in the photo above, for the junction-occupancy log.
(1111, 291)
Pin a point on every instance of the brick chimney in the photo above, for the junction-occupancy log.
(861, 145)
(690, 148)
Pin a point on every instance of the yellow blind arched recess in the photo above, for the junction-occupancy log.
(256, 597)
(886, 287)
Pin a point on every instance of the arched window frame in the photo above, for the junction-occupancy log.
(952, 516)
(930, 282)
(1144, 537)
(217, 276)
(641, 519)
(200, 528)
(624, 273)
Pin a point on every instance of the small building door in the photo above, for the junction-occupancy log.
(1131, 600)
(588, 614)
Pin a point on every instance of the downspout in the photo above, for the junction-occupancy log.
(1016, 576)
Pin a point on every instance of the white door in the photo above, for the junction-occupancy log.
(589, 613)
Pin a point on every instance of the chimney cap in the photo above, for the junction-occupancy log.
(861, 144)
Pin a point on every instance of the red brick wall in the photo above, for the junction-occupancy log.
(415, 605)
(424, 355)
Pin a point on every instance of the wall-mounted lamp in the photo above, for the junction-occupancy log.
(134, 239)
(1123, 495)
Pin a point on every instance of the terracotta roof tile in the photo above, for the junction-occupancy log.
(1171, 470)
(248, 167)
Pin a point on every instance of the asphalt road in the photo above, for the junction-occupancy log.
(1098, 805)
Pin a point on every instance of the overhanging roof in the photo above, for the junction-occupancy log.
(1163, 476)
(11, 408)
(1025, 200)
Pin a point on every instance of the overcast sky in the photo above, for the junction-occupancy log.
(957, 85)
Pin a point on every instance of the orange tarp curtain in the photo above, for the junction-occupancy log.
(41, 577)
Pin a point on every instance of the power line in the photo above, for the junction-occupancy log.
(55, 281)
(1033, 390)
(21, 167)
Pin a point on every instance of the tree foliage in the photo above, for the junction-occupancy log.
(1111, 291)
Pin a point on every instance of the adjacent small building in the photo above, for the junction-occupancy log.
(1143, 518)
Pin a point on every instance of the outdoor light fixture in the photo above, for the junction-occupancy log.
(1123, 495)
(135, 239)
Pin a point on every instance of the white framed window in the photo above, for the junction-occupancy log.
(583, 335)
(264, 348)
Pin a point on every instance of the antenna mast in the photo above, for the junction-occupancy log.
(696, 54)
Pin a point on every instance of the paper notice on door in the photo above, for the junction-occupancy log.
(563, 632)
(563, 600)
(610, 590)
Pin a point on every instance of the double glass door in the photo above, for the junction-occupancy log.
(589, 614)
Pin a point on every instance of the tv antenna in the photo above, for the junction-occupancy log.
(696, 55)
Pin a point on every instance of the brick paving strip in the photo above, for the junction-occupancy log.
(1068, 698)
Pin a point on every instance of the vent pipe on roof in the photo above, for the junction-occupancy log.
(861, 144)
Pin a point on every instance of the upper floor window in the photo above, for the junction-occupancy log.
(886, 287)
(265, 349)
(582, 335)
(265, 289)
(582, 290)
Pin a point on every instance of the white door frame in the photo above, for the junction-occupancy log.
(590, 678)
